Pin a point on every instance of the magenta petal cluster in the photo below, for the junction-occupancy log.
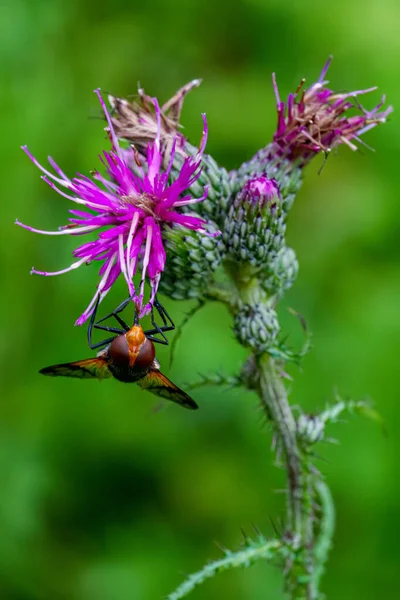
(316, 119)
(261, 190)
(127, 210)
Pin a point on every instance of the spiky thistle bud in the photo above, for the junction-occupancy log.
(256, 327)
(191, 262)
(281, 273)
(255, 227)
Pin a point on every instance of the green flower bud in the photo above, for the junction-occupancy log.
(255, 226)
(282, 272)
(256, 327)
(192, 259)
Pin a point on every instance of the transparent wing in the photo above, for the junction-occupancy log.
(89, 368)
(157, 383)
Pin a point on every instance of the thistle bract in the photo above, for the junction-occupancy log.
(281, 272)
(255, 228)
(128, 211)
(256, 327)
(192, 259)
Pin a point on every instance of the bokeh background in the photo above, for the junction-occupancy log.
(101, 496)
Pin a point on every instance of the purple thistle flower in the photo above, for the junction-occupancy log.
(128, 212)
(314, 120)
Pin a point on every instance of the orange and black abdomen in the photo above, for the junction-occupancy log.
(130, 360)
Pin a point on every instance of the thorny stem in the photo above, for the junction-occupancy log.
(309, 528)
(305, 562)
(323, 543)
(308, 524)
(274, 399)
(300, 517)
(243, 558)
(268, 382)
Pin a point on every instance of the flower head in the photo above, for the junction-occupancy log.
(315, 120)
(127, 210)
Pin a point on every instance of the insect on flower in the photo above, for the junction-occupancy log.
(128, 356)
(127, 210)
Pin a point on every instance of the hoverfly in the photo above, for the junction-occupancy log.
(129, 356)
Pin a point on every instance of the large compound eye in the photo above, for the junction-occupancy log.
(119, 351)
(146, 354)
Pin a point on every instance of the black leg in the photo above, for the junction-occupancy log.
(168, 324)
(160, 330)
(110, 329)
(91, 323)
(154, 339)
(95, 325)
(156, 328)
(164, 315)
(115, 312)
(103, 343)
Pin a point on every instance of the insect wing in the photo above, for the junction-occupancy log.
(157, 383)
(90, 368)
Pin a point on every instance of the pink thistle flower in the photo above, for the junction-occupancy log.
(127, 211)
(315, 120)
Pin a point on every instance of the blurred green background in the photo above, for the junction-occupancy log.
(101, 497)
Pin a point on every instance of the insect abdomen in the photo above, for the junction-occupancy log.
(127, 374)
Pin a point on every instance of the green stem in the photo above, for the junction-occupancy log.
(222, 293)
(323, 543)
(215, 380)
(274, 400)
(300, 583)
(233, 560)
(308, 524)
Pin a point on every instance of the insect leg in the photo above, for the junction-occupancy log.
(93, 325)
(91, 322)
(150, 333)
(164, 316)
(165, 327)
(155, 339)
(110, 329)
(103, 343)
(114, 314)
